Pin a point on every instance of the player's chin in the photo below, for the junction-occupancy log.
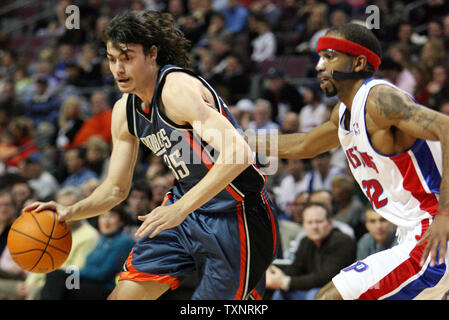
(330, 92)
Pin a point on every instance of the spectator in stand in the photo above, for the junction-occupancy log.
(177, 9)
(22, 83)
(380, 235)
(390, 70)
(43, 182)
(221, 46)
(10, 272)
(432, 54)
(264, 46)
(234, 77)
(400, 54)
(348, 207)
(245, 108)
(7, 216)
(262, 123)
(90, 64)
(438, 87)
(217, 26)
(97, 156)
(66, 54)
(21, 191)
(446, 32)
(270, 10)
(236, 16)
(284, 97)
(160, 185)
(317, 21)
(423, 77)
(10, 102)
(322, 173)
(312, 114)
(205, 64)
(44, 106)
(7, 147)
(98, 124)
(434, 29)
(75, 162)
(8, 60)
(321, 255)
(290, 124)
(290, 186)
(70, 121)
(138, 204)
(156, 166)
(22, 131)
(404, 35)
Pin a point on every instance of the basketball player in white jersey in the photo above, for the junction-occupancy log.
(398, 151)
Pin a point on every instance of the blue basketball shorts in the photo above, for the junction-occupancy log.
(230, 251)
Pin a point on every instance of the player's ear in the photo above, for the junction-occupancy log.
(360, 63)
(152, 52)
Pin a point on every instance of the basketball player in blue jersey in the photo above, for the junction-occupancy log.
(217, 220)
(398, 152)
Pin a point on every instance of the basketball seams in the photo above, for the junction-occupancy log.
(48, 242)
(40, 241)
(40, 228)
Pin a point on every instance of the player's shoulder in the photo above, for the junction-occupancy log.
(180, 88)
(177, 81)
(385, 99)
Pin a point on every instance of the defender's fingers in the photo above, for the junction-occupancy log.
(425, 254)
(423, 238)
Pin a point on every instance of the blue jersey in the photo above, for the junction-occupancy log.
(184, 152)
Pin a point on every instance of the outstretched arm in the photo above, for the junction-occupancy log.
(391, 107)
(116, 186)
(299, 145)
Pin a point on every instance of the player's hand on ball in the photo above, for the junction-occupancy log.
(160, 219)
(63, 212)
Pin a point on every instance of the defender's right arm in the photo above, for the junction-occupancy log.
(299, 145)
(115, 188)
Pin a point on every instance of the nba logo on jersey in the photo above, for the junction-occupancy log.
(355, 125)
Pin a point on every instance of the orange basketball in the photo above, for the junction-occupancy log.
(38, 242)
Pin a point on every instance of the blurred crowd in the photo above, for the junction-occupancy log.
(57, 94)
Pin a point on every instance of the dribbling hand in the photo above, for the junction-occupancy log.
(63, 212)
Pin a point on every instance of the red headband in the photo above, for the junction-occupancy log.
(349, 47)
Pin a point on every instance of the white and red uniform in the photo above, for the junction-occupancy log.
(404, 189)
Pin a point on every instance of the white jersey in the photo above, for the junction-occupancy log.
(403, 188)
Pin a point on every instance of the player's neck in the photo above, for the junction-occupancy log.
(346, 94)
(146, 90)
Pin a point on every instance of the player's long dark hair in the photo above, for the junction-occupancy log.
(149, 28)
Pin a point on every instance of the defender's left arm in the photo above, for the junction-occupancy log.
(394, 108)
